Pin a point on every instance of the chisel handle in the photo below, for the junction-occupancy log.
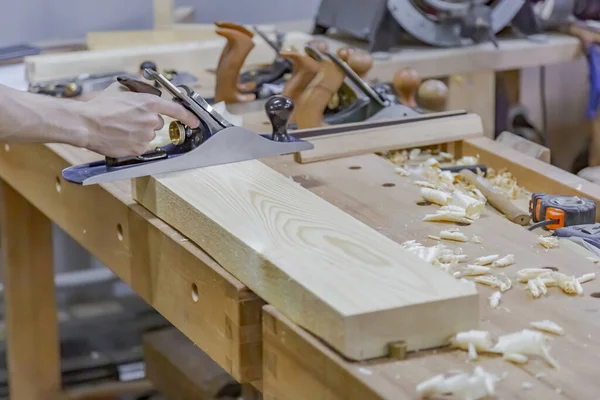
(497, 200)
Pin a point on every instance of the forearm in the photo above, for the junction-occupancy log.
(34, 118)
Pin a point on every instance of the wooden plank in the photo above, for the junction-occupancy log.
(179, 33)
(368, 188)
(171, 274)
(182, 371)
(512, 54)
(193, 57)
(325, 270)
(534, 174)
(109, 390)
(30, 305)
(403, 135)
(475, 93)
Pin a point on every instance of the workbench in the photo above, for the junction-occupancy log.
(253, 341)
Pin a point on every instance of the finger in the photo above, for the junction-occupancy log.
(178, 112)
(160, 123)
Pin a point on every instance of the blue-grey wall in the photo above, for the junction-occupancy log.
(26, 21)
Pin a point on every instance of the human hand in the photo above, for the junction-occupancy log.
(121, 123)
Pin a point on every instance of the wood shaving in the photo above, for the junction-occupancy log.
(473, 207)
(504, 261)
(434, 237)
(495, 282)
(461, 386)
(446, 156)
(476, 239)
(425, 184)
(454, 235)
(536, 287)
(481, 340)
(474, 270)
(548, 326)
(457, 258)
(436, 196)
(486, 260)
(472, 352)
(526, 274)
(467, 160)
(414, 153)
(432, 162)
(401, 171)
(447, 216)
(495, 299)
(526, 342)
(587, 277)
(593, 259)
(526, 385)
(548, 242)
(515, 358)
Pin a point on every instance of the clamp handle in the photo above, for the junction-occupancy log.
(433, 95)
(406, 83)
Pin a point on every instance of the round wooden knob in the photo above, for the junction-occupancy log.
(319, 44)
(406, 84)
(344, 53)
(360, 62)
(433, 95)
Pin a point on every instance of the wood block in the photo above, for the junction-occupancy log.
(424, 131)
(330, 273)
(524, 146)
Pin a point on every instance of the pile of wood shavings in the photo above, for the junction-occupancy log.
(478, 385)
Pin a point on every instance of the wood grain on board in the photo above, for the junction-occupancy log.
(328, 272)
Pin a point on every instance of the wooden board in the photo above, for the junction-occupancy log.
(192, 57)
(164, 268)
(328, 272)
(296, 363)
(178, 33)
(398, 136)
(475, 93)
(524, 146)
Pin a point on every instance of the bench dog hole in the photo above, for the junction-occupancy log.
(424, 203)
(355, 167)
(551, 268)
(595, 295)
(195, 292)
(388, 184)
(119, 232)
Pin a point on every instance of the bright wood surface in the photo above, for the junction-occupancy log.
(164, 268)
(524, 146)
(30, 306)
(475, 93)
(328, 272)
(296, 363)
(400, 136)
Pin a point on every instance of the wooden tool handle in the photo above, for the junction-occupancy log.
(312, 103)
(406, 84)
(361, 62)
(319, 44)
(239, 44)
(234, 26)
(433, 95)
(304, 71)
(497, 200)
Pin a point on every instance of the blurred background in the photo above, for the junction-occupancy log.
(42, 20)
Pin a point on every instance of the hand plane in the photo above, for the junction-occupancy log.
(216, 141)
(338, 95)
(86, 83)
(259, 83)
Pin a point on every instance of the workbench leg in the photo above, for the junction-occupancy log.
(32, 340)
(475, 93)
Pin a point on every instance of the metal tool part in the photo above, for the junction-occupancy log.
(436, 22)
(214, 142)
(553, 211)
(279, 110)
(76, 86)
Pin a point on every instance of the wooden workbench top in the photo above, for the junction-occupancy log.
(295, 362)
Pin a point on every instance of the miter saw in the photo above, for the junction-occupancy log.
(443, 23)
